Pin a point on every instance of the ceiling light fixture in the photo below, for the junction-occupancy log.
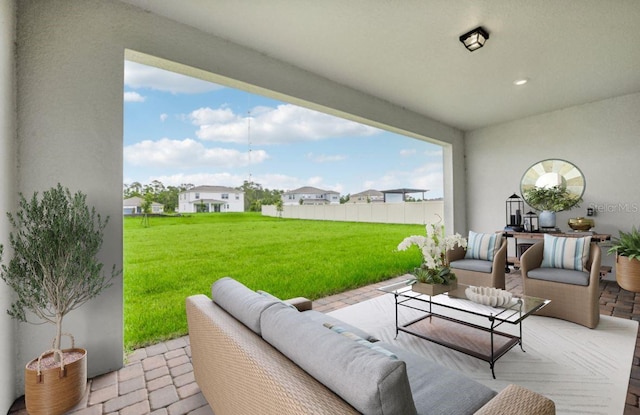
(474, 39)
(519, 82)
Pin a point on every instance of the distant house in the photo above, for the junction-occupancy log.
(133, 206)
(400, 195)
(211, 199)
(368, 196)
(310, 196)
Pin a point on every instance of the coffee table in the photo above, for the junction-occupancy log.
(453, 321)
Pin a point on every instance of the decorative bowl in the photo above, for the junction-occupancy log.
(581, 224)
(494, 297)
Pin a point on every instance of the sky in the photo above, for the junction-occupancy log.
(180, 130)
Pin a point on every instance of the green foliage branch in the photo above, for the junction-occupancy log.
(54, 269)
(627, 244)
(442, 275)
(554, 199)
(255, 196)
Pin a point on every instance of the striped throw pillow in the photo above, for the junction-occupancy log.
(566, 253)
(483, 245)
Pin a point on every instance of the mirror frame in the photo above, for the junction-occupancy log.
(572, 176)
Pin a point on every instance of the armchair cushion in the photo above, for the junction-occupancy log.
(477, 265)
(566, 253)
(564, 276)
(483, 245)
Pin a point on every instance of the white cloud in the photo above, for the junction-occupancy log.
(278, 181)
(137, 75)
(201, 179)
(336, 187)
(187, 153)
(163, 117)
(325, 158)
(428, 179)
(428, 176)
(284, 124)
(436, 152)
(407, 152)
(208, 116)
(315, 181)
(133, 97)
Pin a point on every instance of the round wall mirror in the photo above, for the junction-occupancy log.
(554, 172)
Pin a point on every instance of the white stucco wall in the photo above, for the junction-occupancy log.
(69, 126)
(7, 196)
(601, 138)
(69, 103)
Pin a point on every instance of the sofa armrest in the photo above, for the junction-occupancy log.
(515, 399)
(301, 303)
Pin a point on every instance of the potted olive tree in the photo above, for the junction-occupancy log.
(53, 271)
(627, 250)
(550, 200)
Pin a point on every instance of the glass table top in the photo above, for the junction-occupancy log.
(515, 311)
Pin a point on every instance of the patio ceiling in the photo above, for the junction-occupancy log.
(408, 53)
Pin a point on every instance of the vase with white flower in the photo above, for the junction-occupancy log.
(433, 276)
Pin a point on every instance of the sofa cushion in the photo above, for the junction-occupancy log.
(483, 245)
(299, 303)
(477, 265)
(564, 276)
(360, 340)
(241, 302)
(322, 318)
(567, 253)
(274, 298)
(438, 390)
(369, 381)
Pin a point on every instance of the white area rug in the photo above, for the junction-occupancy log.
(583, 371)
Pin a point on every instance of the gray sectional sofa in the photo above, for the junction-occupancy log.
(255, 354)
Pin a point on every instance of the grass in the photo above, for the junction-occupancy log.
(180, 256)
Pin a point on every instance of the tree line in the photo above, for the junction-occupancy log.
(254, 195)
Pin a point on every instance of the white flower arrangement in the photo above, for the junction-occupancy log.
(434, 247)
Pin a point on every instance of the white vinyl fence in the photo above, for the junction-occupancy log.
(422, 213)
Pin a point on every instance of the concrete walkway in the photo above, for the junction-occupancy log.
(159, 379)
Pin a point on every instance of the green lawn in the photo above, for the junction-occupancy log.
(179, 256)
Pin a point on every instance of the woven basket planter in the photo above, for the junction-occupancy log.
(628, 273)
(54, 391)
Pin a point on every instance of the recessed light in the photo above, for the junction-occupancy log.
(520, 81)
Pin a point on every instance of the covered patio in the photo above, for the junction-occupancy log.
(394, 66)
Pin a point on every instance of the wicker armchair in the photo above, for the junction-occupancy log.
(478, 272)
(569, 301)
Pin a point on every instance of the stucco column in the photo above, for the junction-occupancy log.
(454, 183)
(7, 191)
